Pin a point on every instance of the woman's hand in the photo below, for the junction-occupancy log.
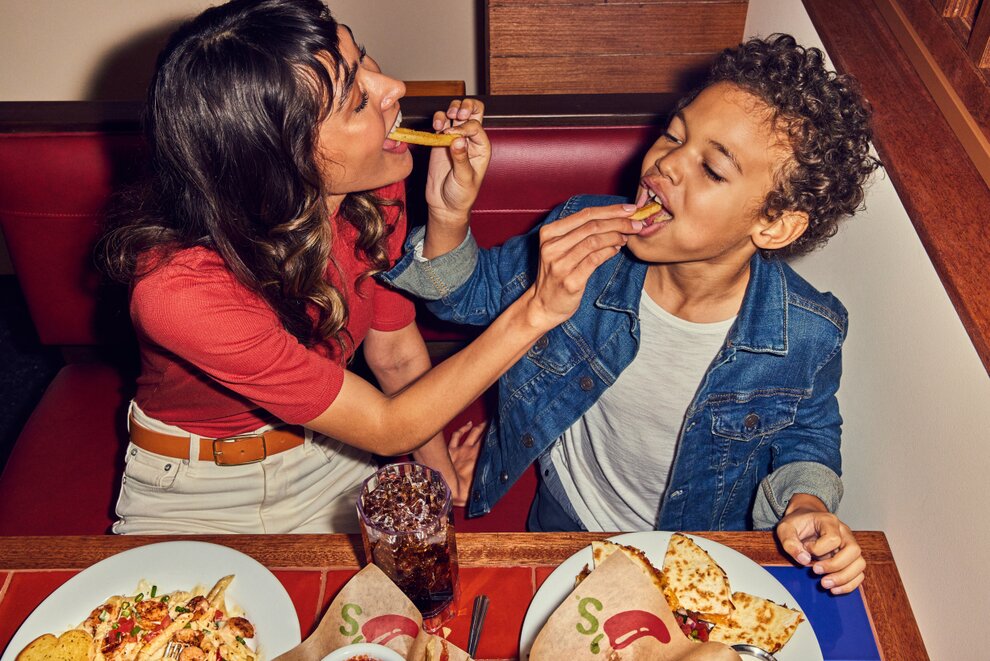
(464, 446)
(456, 173)
(570, 251)
(816, 538)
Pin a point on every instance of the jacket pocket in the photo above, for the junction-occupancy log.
(740, 430)
(555, 352)
(760, 416)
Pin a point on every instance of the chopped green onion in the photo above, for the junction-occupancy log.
(188, 626)
(103, 616)
(181, 609)
(165, 599)
(136, 630)
(239, 639)
(154, 590)
(139, 597)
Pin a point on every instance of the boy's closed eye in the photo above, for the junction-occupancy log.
(708, 170)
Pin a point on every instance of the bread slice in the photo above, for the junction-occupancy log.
(72, 645)
(757, 621)
(693, 581)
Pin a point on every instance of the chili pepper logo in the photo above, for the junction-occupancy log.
(384, 628)
(623, 629)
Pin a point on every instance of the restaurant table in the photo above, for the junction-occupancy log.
(873, 623)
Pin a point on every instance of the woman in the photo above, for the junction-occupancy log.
(275, 196)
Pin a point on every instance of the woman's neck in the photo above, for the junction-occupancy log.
(698, 292)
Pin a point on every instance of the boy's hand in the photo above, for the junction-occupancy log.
(816, 538)
(456, 173)
(464, 446)
(570, 251)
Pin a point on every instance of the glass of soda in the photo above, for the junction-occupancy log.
(407, 525)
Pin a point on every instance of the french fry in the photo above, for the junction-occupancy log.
(422, 137)
(646, 211)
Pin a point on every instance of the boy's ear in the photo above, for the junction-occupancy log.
(783, 231)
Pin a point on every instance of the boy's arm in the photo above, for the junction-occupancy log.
(804, 489)
(806, 455)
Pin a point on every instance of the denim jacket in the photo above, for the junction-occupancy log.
(763, 425)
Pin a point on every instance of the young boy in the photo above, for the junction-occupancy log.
(695, 387)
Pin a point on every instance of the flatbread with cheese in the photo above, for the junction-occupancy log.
(757, 621)
(603, 549)
(693, 581)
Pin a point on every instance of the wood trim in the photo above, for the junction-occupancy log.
(948, 50)
(979, 39)
(500, 110)
(969, 132)
(945, 196)
(473, 549)
(435, 87)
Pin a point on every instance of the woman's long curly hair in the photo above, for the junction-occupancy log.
(232, 122)
(827, 122)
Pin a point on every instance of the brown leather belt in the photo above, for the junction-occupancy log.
(230, 451)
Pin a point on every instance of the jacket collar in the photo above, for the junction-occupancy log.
(761, 325)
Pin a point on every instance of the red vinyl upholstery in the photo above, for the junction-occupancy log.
(63, 473)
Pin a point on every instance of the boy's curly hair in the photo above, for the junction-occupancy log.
(828, 122)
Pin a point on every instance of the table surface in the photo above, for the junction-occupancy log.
(509, 567)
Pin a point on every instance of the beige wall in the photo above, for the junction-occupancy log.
(914, 396)
(54, 50)
(71, 50)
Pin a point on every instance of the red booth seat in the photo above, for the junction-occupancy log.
(62, 475)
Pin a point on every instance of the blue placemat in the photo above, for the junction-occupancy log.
(840, 622)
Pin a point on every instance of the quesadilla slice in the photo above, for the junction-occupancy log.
(693, 582)
(757, 621)
(603, 549)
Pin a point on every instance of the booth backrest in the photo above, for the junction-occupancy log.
(55, 189)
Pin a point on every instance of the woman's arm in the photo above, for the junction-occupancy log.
(571, 249)
(397, 358)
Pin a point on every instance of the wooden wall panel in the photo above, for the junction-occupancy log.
(602, 46)
(606, 74)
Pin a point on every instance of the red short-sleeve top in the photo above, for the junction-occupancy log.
(216, 361)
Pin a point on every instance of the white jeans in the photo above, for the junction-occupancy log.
(309, 489)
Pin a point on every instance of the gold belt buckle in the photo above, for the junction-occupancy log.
(244, 452)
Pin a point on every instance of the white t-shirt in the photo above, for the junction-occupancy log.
(614, 461)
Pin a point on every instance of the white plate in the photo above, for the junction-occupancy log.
(744, 576)
(171, 566)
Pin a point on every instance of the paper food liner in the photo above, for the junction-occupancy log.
(618, 613)
(370, 608)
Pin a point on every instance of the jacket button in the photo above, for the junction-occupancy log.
(586, 383)
(503, 477)
(542, 343)
(751, 420)
(527, 440)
